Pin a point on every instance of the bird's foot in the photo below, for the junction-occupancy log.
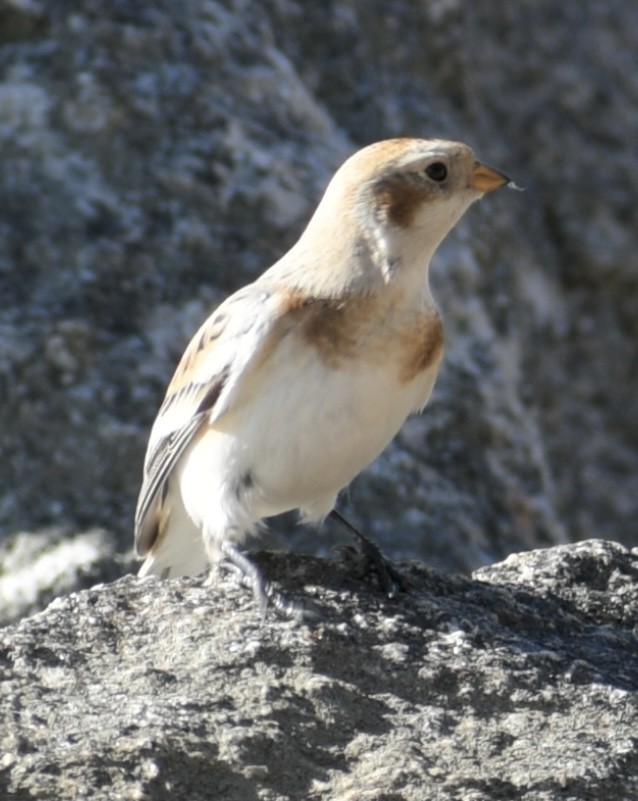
(373, 561)
(264, 593)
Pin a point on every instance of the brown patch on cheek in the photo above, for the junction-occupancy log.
(423, 347)
(399, 201)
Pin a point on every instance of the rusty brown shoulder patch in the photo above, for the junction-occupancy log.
(343, 330)
(422, 347)
(332, 331)
(369, 329)
(336, 328)
(361, 330)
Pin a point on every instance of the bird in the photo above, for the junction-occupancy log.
(299, 380)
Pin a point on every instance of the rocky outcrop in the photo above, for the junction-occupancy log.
(157, 156)
(518, 683)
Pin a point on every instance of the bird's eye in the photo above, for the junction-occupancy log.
(437, 171)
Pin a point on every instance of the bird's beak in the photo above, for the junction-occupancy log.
(487, 179)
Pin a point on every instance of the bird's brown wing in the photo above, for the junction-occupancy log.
(206, 384)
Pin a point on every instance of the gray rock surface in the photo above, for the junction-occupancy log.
(520, 683)
(155, 156)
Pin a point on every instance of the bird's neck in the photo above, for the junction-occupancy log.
(359, 260)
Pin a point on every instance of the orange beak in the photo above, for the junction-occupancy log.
(486, 179)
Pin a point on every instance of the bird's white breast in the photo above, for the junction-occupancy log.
(304, 433)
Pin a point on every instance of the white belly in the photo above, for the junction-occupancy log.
(307, 433)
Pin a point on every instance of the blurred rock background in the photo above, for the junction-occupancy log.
(156, 156)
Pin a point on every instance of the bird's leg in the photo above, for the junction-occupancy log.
(249, 573)
(263, 593)
(389, 578)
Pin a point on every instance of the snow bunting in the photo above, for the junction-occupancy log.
(300, 379)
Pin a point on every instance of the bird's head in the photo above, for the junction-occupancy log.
(412, 184)
(390, 205)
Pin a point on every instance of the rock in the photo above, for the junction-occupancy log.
(518, 683)
(158, 156)
(35, 567)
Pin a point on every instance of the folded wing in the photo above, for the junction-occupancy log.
(206, 385)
